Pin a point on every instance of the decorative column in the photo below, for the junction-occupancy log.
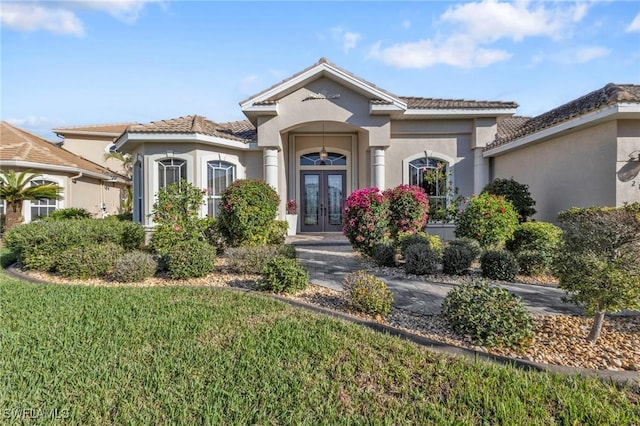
(271, 167)
(378, 168)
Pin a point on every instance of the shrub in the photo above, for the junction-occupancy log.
(252, 259)
(384, 253)
(456, 260)
(490, 316)
(283, 275)
(499, 265)
(368, 294)
(189, 259)
(435, 244)
(408, 209)
(90, 261)
(248, 207)
(7, 258)
(517, 193)
(133, 267)
(69, 213)
(419, 259)
(277, 232)
(488, 218)
(597, 264)
(531, 263)
(470, 244)
(211, 233)
(541, 237)
(406, 239)
(366, 218)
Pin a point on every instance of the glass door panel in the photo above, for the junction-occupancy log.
(310, 198)
(323, 195)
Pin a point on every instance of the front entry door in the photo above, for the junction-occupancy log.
(323, 195)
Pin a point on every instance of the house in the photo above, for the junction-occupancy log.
(84, 183)
(324, 132)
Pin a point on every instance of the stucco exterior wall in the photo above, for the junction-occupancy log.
(574, 170)
(628, 162)
(93, 149)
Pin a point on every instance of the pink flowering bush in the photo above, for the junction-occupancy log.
(488, 218)
(365, 218)
(408, 209)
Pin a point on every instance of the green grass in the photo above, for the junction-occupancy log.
(210, 356)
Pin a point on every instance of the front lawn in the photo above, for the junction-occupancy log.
(96, 355)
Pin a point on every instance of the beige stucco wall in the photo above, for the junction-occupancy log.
(93, 149)
(627, 164)
(574, 170)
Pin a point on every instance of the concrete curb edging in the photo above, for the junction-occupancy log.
(614, 377)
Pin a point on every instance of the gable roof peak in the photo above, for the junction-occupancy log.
(323, 60)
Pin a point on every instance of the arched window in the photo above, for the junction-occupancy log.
(171, 170)
(333, 159)
(220, 175)
(432, 174)
(43, 207)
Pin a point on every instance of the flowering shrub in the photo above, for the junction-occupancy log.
(408, 209)
(292, 206)
(365, 218)
(488, 218)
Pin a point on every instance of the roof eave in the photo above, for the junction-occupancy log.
(137, 138)
(459, 112)
(63, 132)
(53, 167)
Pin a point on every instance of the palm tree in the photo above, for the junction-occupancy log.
(127, 167)
(18, 187)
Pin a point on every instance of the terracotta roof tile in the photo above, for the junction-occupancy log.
(19, 145)
(610, 94)
(98, 128)
(242, 131)
(432, 103)
(509, 125)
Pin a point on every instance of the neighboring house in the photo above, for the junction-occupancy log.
(583, 153)
(84, 183)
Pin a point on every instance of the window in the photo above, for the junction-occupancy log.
(220, 175)
(43, 207)
(2, 210)
(170, 171)
(432, 175)
(138, 185)
(313, 159)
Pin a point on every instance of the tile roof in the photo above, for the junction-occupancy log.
(19, 145)
(242, 131)
(97, 128)
(432, 103)
(610, 94)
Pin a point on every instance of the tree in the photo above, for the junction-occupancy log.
(17, 188)
(597, 263)
(490, 219)
(127, 167)
(517, 193)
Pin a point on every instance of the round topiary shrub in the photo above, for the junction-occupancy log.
(88, 262)
(368, 294)
(456, 260)
(419, 259)
(134, 266)
(499, 265)
(408, 209)
(517, 193)
(283, 275)
(470, 244)
(384, 253)
(248, 208)
(532, 263)
(366, 218)
(488, 218)
(490, 316)
(406, 239)
(189, 259)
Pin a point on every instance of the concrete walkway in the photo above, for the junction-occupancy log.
(329, 257)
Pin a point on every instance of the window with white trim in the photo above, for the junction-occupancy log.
(220, 175)
(432, 175)
(171, 170)
(44, 206)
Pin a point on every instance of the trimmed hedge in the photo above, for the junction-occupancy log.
(190, 259)
(499, 265)
(456, 260)
(253, 259)
(283, 275)
(89, 262)
(134, 266)
(420, 259)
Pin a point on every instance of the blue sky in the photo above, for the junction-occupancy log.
(69, 63)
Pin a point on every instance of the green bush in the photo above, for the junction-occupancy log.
(470, 244)
(277, 232)
(384, 253)
(189, 259)
(408, 209)
(69, 213)
(490, 316)
(542, 237)
(134, 266)
(368, 294)
(419, 259)
(531, 263)
(252, 259)
(435, 244)
(456, 260)
(517, 193)
(7, 258)
(90, 261)
(248, 207)
(37, 244)
(283, 275)
(488, 218)
(406, 239)
(499, 265)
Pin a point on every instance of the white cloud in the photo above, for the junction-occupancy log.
(587, 54)
(406, 24)
(124, 10)
(32, 17)
(349, 41)
(634, 26)
(474, 27)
